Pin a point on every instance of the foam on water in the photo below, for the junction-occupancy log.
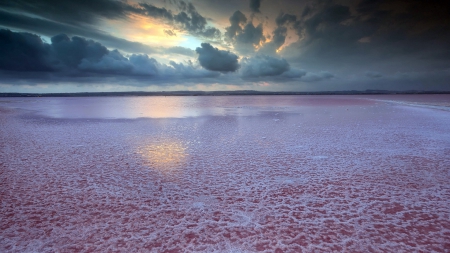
(346, 175)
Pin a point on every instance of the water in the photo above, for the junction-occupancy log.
(225, 174)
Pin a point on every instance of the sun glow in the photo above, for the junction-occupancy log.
(145, 30)
(166, 157)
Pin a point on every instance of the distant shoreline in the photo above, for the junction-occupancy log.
(216, 93)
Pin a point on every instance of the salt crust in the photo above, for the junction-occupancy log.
(363, 177)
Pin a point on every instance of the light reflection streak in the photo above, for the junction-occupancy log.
(166, 157)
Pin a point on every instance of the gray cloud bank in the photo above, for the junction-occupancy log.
(25, 53)
(404, 35)
(75, 58)
(264, 67)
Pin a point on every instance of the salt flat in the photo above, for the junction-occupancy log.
(225, 174)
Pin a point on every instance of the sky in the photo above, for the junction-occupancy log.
(165, 45)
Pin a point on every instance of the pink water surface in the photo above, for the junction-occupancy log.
(225, 174)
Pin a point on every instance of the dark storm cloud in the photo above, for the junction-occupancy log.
(248, 38)
(212, 58)
(325, 26)
(71, 51)
(244, 38)
(236, 20)
(285, 18)
(373, 33)
(260, 66)
(251, 34)
(279, 34)
(255, 5)
(112, 62)
(25, 54)
(278, 39)
(264, 67)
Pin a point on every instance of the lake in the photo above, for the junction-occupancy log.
(357, 173)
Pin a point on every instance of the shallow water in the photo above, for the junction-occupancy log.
(225, 174)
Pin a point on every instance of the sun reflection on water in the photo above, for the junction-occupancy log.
(166, 157)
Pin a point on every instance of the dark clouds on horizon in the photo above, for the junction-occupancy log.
(330, 45)
(74, 57)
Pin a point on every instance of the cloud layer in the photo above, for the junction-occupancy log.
(329, 44)
(76, 57)
(79, 57)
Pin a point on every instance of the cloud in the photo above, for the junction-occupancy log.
(277, 69)
(372, 34)
(24, 52)
(170, 33)
(212, 58)
(153, 11)
(285, 18)
(236, 20)
(248, 38)
(244, 39)
(71, 51)
(434, 80)
(255, 5)
(278, 39)
(144, 65)
(345, 37)
(314, 77)
(261, 66)
(112, 62)
(189, 70)
(279, 34)
(50, 28)
(87, 13)
(294, 73)
(373, 74)
(70, 12)
(27, 56)
(188, 20)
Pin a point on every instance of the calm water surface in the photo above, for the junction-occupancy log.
(194, 106)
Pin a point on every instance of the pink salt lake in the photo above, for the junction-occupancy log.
(225, 174)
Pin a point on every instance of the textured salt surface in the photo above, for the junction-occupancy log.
(291, 174)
